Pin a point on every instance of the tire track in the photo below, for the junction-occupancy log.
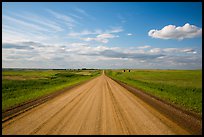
(76, 98)
(70, 108)
(100, 106)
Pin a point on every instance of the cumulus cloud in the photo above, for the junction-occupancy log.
(173, 32)
(129, 34)
(72, 55)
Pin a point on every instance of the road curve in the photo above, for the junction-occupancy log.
(100, 106)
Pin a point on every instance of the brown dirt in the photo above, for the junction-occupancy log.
(191, 121)
(100, 106)
(25, 106)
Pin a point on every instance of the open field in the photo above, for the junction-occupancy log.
(100, 106)
(180, 87)
(22, 85)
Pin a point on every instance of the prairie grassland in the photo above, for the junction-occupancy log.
(180, 87)
(22, 85)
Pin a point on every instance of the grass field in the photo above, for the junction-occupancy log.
(180, 87)
(22, 85)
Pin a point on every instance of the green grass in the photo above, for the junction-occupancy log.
(180, 87)
(22, 85)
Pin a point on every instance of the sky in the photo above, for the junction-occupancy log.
(102, 35)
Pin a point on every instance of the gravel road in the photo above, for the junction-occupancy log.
(100, 106)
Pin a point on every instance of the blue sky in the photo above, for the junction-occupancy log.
(155, 35)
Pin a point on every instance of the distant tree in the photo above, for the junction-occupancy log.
(124, 70)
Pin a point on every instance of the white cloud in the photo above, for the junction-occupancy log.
(155, 50)
(129, 34)
(101, 38)
(106, 36)
(75, 16)
(78, 44)
(179, 50)
(83, 12)
(72, 55)
(173, 32)
(115, 30)
(17, 33)
(84, 32)
(144, 47)
(188, 51)
(47, 23)
(24, 23)
(69, 21)
(95, 39)
(95, 32)
(22, 26)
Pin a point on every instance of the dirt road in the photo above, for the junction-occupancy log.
(100, 106)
